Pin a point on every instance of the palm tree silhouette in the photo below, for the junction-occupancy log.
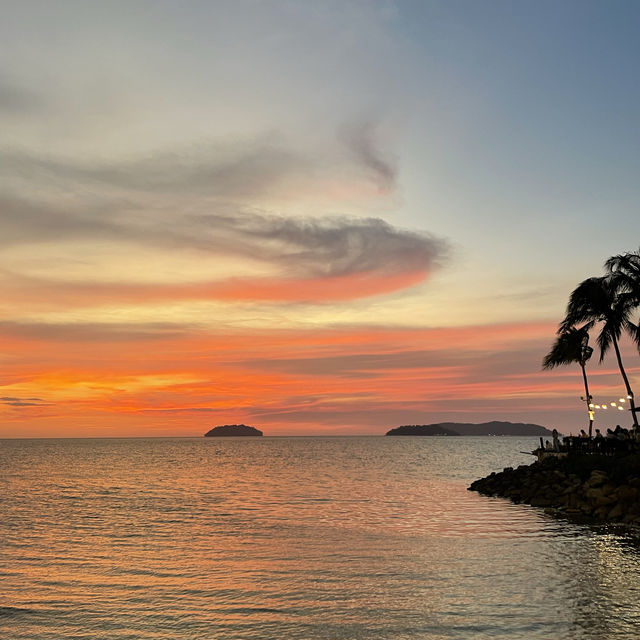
(624, 270)
(596, 301)
(572, 345)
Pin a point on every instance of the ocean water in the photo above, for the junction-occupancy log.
(295, 538)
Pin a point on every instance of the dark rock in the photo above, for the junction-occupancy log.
(616, 513)
(627, 493)
(230, 430)
(597, 478)
(604, 489)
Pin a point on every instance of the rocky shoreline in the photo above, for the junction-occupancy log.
(602, 489)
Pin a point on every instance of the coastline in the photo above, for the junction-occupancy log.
(597, 488)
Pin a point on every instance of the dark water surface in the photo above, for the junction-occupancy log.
(287, 538)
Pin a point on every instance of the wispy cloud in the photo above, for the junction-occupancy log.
(362, 141)
(238, 170)
(92, 332)
(313, 259)
(23, 402)
(25, 221)
(204, 199)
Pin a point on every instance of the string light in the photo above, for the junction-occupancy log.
(619, 405)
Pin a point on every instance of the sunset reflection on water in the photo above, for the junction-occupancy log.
(295, 538)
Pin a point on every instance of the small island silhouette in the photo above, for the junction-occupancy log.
(232, 430)
(468, 429)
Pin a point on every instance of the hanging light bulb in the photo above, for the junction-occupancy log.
(620, 408)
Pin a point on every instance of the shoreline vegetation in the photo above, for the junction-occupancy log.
(590, 477)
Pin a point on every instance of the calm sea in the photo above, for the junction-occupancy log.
(287, 538)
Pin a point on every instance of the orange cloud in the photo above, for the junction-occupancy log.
(63, 295)
(156, 381)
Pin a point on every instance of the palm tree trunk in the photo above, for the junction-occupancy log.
(587, 397)
(626, 383)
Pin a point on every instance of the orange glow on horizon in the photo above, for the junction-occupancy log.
(282, 381)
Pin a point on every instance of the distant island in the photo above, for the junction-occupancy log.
(422, 430)
(227, 430)
(469, 429)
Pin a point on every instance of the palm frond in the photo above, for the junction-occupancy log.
(571, 346)
(624, 269)
(634, 331)
(604, 340)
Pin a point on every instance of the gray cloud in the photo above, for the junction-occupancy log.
(92, 332)
(367, 365)
(23, 402)
(330, 246)
(199, 200)
(303, 247)
(357, 365)
(23, 221)
(360, 139)
(238, 171)
(187, 410)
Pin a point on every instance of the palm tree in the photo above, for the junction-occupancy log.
(572, 345)
(596, 301)
(625, 267)
(624, 270)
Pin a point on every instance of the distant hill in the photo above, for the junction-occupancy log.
(469, 429)
(230, 430)
(421, 430)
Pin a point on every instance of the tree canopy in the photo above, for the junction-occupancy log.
(609, 305)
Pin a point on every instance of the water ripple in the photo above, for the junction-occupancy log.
(303, 538)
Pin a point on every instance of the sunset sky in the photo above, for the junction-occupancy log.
(310, 217)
